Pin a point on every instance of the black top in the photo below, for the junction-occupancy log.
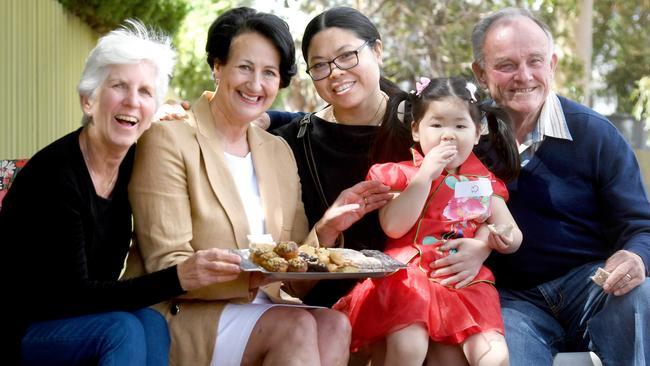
(65, 246)
(341, 153)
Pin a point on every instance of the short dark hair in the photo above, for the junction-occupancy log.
(242, 20)
(340, 17)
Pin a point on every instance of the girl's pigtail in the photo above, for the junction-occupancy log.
(501, 155)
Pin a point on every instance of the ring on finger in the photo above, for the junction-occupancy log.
(365, 200)
(628, 277)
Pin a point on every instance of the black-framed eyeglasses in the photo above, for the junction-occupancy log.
(344, 61)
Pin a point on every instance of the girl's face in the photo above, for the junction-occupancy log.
(250, 80)
(447, 120)
(346, 89)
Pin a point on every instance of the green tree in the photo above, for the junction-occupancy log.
(641, 98)
(192, 74)
(422, 37)
(104, 15)
(621, 44)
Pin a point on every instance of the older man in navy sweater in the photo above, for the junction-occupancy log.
(580, 203)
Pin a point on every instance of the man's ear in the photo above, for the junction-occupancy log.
(479, 73)
(553, 63)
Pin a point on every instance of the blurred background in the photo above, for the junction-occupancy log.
(603, 47)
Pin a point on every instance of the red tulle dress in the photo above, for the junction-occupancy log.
(377, 307)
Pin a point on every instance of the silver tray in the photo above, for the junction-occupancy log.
(389, 266)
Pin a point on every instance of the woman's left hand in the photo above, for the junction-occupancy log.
(350, 206)
(464, 265)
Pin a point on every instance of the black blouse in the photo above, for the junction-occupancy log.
(65, 246)
(341, 153)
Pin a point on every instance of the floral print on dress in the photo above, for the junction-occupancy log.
(466, 208)
(8, 171)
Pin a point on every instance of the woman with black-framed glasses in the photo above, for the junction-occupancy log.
(345, 61)
(335, 146)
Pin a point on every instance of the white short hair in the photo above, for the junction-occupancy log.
(132, 43)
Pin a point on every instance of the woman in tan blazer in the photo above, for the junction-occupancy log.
(208, 182)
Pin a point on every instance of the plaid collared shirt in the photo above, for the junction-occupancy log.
(551, 123)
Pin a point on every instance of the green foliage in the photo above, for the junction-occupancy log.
(422, 37)
(621, 41)
(104, 15)
(640, 98)
(435, 45)
(192, 75)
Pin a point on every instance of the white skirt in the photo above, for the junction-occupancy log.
(235, 326)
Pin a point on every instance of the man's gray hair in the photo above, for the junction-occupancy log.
(483, 27)
(130, 44)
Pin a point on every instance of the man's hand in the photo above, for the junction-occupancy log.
(464, 265)
(626, 271)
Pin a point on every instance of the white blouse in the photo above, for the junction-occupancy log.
(243, 173)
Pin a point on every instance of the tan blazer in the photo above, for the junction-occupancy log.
(184, 199)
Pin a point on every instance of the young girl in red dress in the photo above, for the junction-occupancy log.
(443, 193)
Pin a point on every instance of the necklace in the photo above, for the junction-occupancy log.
(107, 188)
(373, 120)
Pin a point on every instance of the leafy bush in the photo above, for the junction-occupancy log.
(104, 15)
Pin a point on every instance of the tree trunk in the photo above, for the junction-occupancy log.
(584, 45)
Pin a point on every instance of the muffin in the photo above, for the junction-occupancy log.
(297, 265)
(256, 254)
(276, 264)
(287, 249)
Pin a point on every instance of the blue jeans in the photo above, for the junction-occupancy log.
(572, 313)
(115, 338)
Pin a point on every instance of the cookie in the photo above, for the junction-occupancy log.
(600, 277)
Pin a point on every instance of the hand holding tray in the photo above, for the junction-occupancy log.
(386, 265)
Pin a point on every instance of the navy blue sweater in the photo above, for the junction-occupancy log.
(576, 202)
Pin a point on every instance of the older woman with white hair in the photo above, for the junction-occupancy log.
(66, 224)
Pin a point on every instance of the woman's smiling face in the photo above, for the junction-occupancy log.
(249, 81)
(345, 88)
(123, 106)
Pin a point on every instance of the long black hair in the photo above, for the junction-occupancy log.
(498, 150)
